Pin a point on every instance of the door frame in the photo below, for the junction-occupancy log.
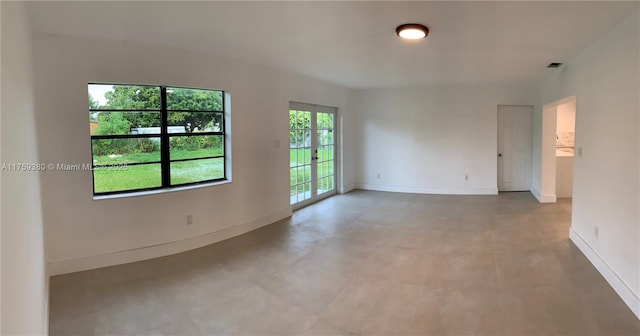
(314, 109)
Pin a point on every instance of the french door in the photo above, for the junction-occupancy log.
(312, 151)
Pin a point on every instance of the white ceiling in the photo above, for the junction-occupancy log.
(354, 43)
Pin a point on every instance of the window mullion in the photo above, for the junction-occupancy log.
(164, 136)
(224, 137)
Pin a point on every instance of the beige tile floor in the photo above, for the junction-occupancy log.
(367, 263)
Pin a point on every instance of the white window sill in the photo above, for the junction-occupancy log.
(159, 191)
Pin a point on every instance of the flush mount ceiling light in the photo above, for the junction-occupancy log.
(412, 31)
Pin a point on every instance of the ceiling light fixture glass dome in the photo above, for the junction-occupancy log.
(412, 31)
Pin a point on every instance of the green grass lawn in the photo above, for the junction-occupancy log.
(132, 177)
(195, 171)
(129, 177)
(298, 175)
(149, 176)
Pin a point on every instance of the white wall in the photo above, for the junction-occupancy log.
(425, 139)
(605, 80)
(543, 184)
(84, 233)
(347, 139)
(564, 176)
(24, 279)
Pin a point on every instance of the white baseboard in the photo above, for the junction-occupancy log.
(347, 188)
(429, 190)
(547, 198)
(149, 252)
(536, 194)
(620, 286)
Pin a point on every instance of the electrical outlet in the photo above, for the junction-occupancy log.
(378, 176)
(189, 219)
(466, 177)
(579, 152)
(596, 232)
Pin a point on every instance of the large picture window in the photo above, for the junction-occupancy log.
(152, 137)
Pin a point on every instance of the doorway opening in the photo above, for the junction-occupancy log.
(565, 148)
(558, 150)
(312, 153)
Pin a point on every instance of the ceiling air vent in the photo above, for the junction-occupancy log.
(554, 65)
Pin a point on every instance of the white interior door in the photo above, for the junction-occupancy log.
(515, 147)
(312, 153)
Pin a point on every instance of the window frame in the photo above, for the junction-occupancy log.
(164, 137)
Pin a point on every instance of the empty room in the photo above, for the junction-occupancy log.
(320, 168)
